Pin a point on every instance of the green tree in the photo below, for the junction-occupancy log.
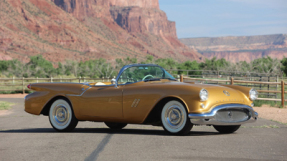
(189, 65)
(267, 65)
(214, 64)
(284, 65)
(60, 69)
(41, 67)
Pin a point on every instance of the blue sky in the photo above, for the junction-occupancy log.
(213, 18)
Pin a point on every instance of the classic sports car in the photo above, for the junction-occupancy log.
(143, 94)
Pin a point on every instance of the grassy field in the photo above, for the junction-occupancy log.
(259, 103)
(5, 105)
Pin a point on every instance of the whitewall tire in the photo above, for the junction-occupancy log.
(61, 116)
(174, 118)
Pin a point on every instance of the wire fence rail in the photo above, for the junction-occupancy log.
(279, 87)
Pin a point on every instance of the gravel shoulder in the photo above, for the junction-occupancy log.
(13, 95)
(272, 113)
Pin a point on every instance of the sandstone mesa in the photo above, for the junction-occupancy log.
(88, 29)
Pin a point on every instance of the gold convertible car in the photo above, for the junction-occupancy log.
(143, 94)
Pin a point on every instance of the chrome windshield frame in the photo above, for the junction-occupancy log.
(136, 65)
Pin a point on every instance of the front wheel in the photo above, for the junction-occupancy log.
(226, 129)
(174, 118)
(115, 126)
(61, 116)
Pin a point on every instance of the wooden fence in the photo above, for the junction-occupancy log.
(20, 84)
(232, 81)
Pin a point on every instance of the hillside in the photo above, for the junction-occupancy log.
(241, 48)
(85, 29)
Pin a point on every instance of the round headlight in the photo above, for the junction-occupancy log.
(203, 95)
(253, 94)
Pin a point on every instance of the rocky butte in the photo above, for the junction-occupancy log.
(88, 29)
(241, 48)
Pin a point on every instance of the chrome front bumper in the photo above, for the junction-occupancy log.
(216, 116)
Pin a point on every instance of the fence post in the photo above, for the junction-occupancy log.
(84, 79)
(79, 79)
(13, 80)
(276, 85)
(231, 81)
(268, 86)
(181, 78)
(51, 80)
(282, 93)
(260, 81)
(37, 80)
(23, 88)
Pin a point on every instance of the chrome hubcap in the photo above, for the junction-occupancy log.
(174, 117)
(61, 115)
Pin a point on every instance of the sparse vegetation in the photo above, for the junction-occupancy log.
(5, 105)
(98, 68)
(259, 103)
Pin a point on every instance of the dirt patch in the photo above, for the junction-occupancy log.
(272, 113)
(13, 95)
(5, 112)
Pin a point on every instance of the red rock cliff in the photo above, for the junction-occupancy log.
(132, 15)
(138, 3)
(88, 29)
(70, 5)
(141, 20)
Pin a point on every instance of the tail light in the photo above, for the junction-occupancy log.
(29, 86)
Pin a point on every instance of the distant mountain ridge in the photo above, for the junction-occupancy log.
(240, 48)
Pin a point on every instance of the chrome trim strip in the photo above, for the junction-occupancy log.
(112, 85)
(80, 94)
(136, 104)
(207, 118)
(85, 83)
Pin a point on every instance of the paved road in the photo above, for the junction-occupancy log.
(27, 137)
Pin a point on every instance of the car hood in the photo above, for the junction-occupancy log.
(217, 94)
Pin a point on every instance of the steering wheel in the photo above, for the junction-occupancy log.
(147, 77)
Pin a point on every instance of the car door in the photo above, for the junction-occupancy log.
(138, 100)
(103, 102)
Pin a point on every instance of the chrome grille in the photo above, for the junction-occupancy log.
(232, 115)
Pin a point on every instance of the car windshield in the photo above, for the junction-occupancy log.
(143, 73)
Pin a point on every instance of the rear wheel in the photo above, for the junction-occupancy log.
(61, 116)
(226, 129)
(174, 118)
(115, 126)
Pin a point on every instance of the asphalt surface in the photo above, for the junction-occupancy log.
(27, 137)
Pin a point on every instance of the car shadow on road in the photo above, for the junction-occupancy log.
(106, 130)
